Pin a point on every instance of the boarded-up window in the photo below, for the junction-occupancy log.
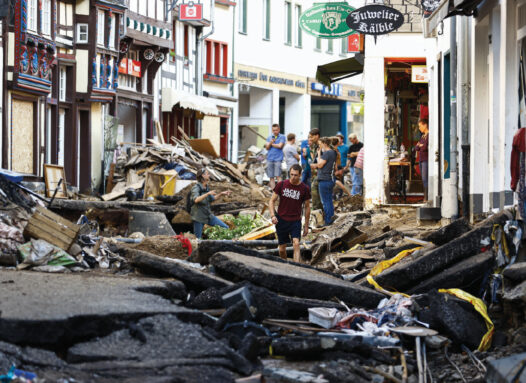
(22, 136)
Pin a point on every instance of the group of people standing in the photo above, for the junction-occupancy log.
(324, 161)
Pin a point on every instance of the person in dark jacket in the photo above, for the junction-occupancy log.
(201, 197)
(518, 169)
(422, 148)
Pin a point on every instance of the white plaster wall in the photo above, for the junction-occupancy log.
(274, 54)
(82, 7)
(210, 130)
(295, 113)
(82, 70)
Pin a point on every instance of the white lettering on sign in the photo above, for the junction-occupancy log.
(291, 193)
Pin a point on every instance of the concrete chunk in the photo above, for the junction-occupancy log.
(293, 280)
(149, 223)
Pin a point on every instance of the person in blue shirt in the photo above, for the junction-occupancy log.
(275, 143)
(343, 149)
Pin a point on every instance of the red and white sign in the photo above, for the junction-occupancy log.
(191, 11)
(123, 66)
(354, 43)
(419, 74)
(134, 68)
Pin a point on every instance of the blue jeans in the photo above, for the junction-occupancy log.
(306, 176)
(357, 181)
(326, 188)
(423, 172)
(213, 221)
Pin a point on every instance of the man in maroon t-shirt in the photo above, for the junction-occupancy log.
(292, 195)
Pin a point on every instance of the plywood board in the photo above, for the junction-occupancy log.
(22, 136)
(52, 176)
(204, 146)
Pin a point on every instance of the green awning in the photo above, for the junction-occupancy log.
(338, 70)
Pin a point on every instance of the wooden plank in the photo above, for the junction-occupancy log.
(40, 220)
(52, 229)
(260, 233)
(203, 146)
(57, 218)
(109, 183)
(40, 233)
(52, 176)
(160, 135)
(120, 193)
(355, 255)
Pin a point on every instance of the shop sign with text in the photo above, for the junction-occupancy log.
(333, 90)
(375, 20)
(327, 20)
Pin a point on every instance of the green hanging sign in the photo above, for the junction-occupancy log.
(327, 20)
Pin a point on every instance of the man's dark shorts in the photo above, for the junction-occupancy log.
(286, 230)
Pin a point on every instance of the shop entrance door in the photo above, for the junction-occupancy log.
(223, 138)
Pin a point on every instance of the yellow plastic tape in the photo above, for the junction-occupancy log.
(503, 239)
(479, 305)
(384, 266)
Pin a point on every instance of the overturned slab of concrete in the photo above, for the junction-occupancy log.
(49, 309)
(290, 279)
(161, 341)
(449, 232)
(408, 274)
(466, 275)
(191, 276)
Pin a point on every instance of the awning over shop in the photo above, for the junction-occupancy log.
(448, 8)
(338, 70)
(171, 97)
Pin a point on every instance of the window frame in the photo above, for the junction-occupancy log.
(266, 20)
(298, 37)
(46, 19)
(32, 16)
(330, 46)
(62, 81)
(288, 23)
(79, 33)
(101, 15)
(242, 27)
(317, 44)
(113, 25)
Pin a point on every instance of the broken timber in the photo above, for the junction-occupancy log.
(294, 280)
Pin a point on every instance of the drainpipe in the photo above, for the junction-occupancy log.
(232, 90)
(466, 96)
(450, 210)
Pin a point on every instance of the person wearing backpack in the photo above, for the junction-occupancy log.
(200, 198)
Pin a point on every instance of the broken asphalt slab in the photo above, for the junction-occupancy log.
(192, 277)
(161, 341)
(466, 275)
(293, 280)
(51, 310)
(405, 275)
(516, 272)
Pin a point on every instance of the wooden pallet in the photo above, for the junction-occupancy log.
(52, 228)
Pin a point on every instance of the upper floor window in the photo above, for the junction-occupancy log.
(82, 33)
(298, 36)
(330, 46)
(243, 16)
(288, 23)
(46, 17)
(133, 6)
(217, 58)
(266, 19)
(343, 46)
(32, 15)
(111, 38)
(100, 27)
(62, 83)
